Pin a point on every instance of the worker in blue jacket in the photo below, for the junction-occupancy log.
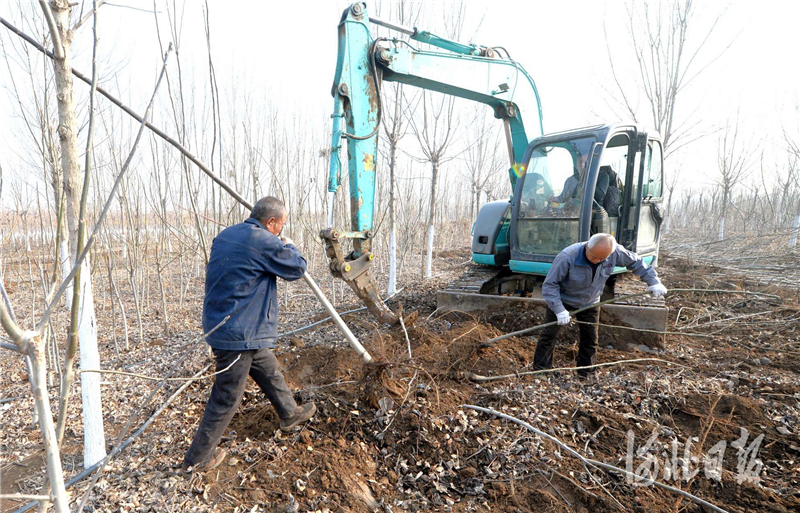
(241, 286)
(575, 280)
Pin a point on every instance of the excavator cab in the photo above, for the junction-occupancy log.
(571, 185)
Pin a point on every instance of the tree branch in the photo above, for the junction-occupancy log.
(588, 461)
(87, 17)
(78, 261)
(159, 378)
(55, 35)
(138, 118)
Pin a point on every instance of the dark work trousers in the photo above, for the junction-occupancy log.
(227, 393)
(543, 358)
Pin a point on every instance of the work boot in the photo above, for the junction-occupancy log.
(213, 462)
(301, 414)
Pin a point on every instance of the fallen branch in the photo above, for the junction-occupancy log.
(644, 330)
(160, 378)
(478, 378)
(745, 316)
(726, 291)
(87, 472)
(620, 298)
(554, 323)
(25, 497)
(588, 461)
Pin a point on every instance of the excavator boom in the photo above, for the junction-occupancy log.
(476, 73)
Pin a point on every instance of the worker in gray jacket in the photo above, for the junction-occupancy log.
(575, 280)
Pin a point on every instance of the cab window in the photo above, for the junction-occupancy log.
(552, 191)
(653, 178)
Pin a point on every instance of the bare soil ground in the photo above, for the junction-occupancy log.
(395, 437)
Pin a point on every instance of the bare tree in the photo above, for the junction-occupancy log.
(435, 128)
(733, 161)
(395, 128)
(671, 184)
(83, 326)
(483, 159)
(793, 150)
(667, 61)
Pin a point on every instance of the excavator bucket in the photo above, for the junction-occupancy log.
(355, 272)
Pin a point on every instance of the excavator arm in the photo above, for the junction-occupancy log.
(473, 72)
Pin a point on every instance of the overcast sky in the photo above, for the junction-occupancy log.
(287, 51)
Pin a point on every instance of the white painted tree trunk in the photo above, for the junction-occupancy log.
(429, 252)
(392, 260)
(666, 224)
(721, 232)
(392, 229)
(432, 219)
(94, 440)
(66, 267)
(795, 229)
(58, 14)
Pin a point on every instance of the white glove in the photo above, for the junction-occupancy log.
(658, 290)
(563, 318)
(287, 240)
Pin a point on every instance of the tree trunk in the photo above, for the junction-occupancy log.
(431, 219)
(392, 230)
(94, 441)
(32, 346)
(795, 228)
(473, 201)
(67, 122)
(66, 267)
(75, 192)
(668, 216)
(55, 475)
(721, 230)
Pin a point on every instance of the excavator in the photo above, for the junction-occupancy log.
(566, 185)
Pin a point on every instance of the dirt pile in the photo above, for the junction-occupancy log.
(394, 436)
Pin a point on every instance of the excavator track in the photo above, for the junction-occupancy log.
(474, 280)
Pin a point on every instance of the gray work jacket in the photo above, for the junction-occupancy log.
(569, 281)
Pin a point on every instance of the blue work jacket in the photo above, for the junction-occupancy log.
(569, 281)
(241, 282)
